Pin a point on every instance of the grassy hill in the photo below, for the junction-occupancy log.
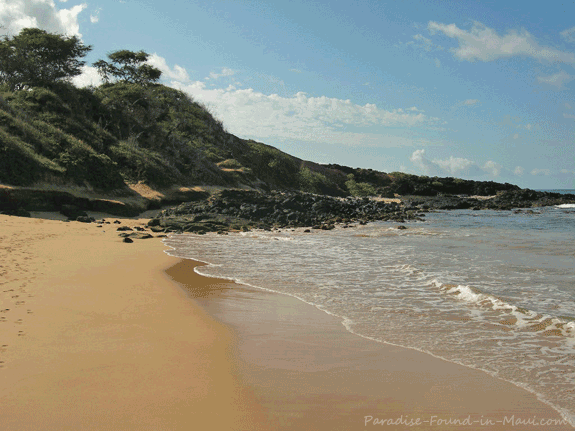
(107, 138)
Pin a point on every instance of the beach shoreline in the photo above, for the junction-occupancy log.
(102, 334)
(331, 378)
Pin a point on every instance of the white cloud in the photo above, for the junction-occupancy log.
(538, 172)
(518, 170)
(253, 114)
(437, 62)
(484, 44)
(492, 168)
(471, 102)
(516, 136)
(557, 79)
(177, 73)
(225, 72)
(460, 167)
(569, 34)
(425, 42)
(453, 166)
(249, 113)
(568, 106)
(89, 77)
(18, 14)
(427, 166)
(95, 16)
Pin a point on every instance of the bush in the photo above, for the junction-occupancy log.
(359, 189)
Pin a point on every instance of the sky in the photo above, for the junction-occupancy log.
(481, 90)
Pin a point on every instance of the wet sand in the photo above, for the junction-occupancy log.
(310, 373)
(97, 334)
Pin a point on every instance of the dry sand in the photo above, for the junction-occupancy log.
(98, 334)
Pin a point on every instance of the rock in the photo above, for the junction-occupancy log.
(128, 240)
(18, 212)
(72, 212)
(124, 228)
(154, 222)
(401, 227)
(85, 219)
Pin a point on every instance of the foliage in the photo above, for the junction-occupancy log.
(359, 189)
(35, 57)
(312, 182)
(129, 67)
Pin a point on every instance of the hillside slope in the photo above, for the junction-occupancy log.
(106, 138)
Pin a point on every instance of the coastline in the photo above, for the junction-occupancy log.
(310, 372)
(107, 335)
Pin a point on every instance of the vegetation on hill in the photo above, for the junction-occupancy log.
(132, 129)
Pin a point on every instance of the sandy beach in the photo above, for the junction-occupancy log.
(99, 334)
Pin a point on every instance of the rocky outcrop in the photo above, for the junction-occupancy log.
(70, 205)
(506, 200)
(244, 210)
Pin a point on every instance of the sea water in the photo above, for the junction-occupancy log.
(491, 290)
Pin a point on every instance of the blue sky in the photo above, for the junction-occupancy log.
(473, 89)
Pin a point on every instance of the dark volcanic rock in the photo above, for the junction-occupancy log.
(128, 240)
(245, 210)
(85, 219)
(18, 212)
(505, 200)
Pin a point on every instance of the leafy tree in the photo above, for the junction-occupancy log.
(36, 58)
(128, 66)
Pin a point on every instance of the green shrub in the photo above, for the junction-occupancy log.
(359, 189)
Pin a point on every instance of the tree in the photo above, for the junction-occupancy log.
(128, 66)
(36, 58)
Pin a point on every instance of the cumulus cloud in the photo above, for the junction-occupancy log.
(88, 77)
(492, 168)
(18, 14)
(176, 73)
(460, 167)
(453, 166)
(247, 112)
(518, 170)
(557, 79)
(250, 113)
(484, 44)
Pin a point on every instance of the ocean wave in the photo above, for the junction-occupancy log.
(518, 317)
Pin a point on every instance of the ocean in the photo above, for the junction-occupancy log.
(490, 290)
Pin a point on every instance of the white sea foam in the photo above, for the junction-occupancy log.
(565, 206)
